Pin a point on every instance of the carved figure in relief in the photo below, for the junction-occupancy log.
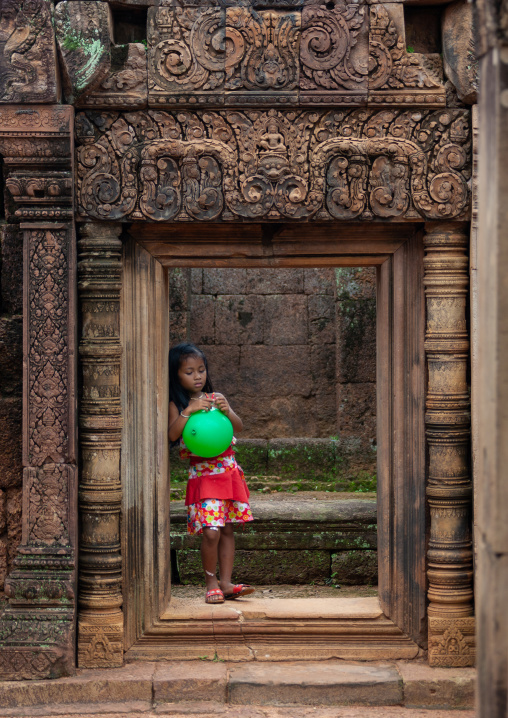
(217, 496)
(27, 52)
(262, 50)
(272, 141)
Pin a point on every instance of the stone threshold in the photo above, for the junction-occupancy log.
(249, 608)
(270, 629)
(213, 688)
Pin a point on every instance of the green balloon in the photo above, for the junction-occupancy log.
(208, 433)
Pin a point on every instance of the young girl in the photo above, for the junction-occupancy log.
(217, 495)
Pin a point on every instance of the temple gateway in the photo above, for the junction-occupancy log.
(137, 137)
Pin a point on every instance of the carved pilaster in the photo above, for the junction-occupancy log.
(37, 629)
(450, 559)
(100, 623)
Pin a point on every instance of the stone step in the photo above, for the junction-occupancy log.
(292, 541)
(216, 688)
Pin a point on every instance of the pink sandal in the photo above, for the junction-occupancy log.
(241, 589)
(214, 592)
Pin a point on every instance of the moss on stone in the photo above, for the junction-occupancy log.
(265, 567)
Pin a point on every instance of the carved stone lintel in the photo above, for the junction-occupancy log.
(273, 165)
(450, 559)
(452, 642)
(100, 624)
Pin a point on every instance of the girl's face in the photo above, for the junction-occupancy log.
(192, 374)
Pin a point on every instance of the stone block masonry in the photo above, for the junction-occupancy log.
(279, 340)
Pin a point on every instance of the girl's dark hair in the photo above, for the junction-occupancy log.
(177, 354)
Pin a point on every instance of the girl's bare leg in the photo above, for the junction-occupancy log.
(226, 557)
(209, 546)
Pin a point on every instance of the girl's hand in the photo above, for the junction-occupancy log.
(222, 403)
(203, 404)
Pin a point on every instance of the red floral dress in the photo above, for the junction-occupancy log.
(217, 493)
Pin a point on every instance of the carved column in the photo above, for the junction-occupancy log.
(450, 558)
(37, 629)
(100, 623)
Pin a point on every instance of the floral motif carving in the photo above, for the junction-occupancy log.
(48, 350)
(48, 494)
(28, 67)
(272, 165)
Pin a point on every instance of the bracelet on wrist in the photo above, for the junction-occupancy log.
(184, 415)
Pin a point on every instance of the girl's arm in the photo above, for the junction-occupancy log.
(224, 406)
(177, 419)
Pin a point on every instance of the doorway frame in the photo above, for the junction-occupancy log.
(397, 252)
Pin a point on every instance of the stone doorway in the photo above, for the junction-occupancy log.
(398, 627)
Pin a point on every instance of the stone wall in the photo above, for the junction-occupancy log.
(11, 362)
(271, 336)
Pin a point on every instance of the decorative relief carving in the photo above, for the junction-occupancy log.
(48, 495)
(452, 642)
(18, 664)
(35, 143)
(272, 165)
(48, 358)
(100, 643)
(46, 195)
(218, 55)
(396, 76)
(28, 67)
(334, 54)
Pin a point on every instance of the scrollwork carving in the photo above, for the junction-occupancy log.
(334, 54)
(187, 54)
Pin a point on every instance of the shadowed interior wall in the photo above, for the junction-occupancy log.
(294, 349)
